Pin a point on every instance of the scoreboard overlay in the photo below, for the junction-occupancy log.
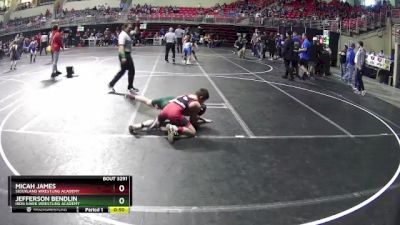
(67, 194)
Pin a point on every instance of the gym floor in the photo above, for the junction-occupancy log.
(278, 151)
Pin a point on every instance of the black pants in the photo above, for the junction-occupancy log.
(194, 54)
(128, 65)
(360, 83)
(295, 67)
(289, 68)
(169, 46)
(179, 45)
(43, 45)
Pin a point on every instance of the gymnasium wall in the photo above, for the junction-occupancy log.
(381, 39)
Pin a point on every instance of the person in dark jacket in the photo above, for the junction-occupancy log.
(287, 54)
(343, 64)
(313, 57)
(272, 47)
(295, 58)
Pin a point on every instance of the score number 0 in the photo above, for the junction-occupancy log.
(121, 188)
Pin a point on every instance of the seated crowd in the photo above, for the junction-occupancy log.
(318, 9)
(27, 21)
(350, 16)
(97, 11)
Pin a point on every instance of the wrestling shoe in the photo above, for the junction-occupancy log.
(58, 72)
(172, 132)
(363, 93)
(134, 128)
(133, 90)
(111, 89)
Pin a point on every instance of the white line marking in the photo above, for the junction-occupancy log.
(341, 96)
(377, 194)
(228, 104)
(10, 95)
(324, 220)
(172, 74)
(215, 104)
(146, 86)
(105, 135)
(12, 103)
(293, 98)
(217, 107)
(103, 219)
(3, 155)
(251, 207)
(34, 120)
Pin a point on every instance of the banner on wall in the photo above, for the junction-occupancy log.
(378, 62)
(143, 26)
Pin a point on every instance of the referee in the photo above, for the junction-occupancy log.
(125, 58)
(170, 40)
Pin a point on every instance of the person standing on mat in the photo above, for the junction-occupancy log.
(170, 40)
(360, 68)
(56, 46)
(14, 55)
(125, 58)
(179, 35)
(287, 54)
(43, 43)
(32, 49)
(304, 53)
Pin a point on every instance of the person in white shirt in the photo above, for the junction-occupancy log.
(125, 58)
(44, 41)
(179, 35)
(360, 68)
(170, 40)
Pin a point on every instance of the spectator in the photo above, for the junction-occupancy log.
(14, 55)
(313, 57)
(360, 66)
(304, 57)
(241, 47)
(32, 50)
(342, 59)
(287, 53)
(271, 47)
(350, 64)
(381, 54)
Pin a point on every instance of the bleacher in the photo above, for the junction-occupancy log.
(342, 17)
